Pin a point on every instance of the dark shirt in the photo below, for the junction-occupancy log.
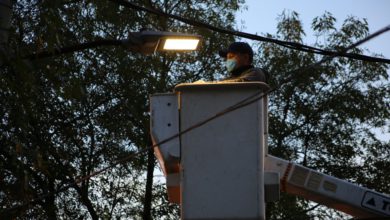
(247, 74)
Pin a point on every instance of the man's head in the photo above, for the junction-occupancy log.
(237, 54)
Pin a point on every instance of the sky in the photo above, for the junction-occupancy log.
(261, 17)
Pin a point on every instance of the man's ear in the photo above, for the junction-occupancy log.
(246, 59)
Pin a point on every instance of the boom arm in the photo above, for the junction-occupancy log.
(344, 196)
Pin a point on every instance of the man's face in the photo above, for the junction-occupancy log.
(241, 59)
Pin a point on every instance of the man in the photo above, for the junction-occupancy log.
(239, 58)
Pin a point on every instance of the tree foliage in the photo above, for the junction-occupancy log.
(66, 116)
(323, 118)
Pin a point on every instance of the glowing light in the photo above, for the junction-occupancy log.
(180, 44)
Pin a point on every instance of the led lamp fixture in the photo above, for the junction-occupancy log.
(148, 42)
(180, 44)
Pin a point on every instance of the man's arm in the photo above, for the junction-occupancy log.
(252, 75)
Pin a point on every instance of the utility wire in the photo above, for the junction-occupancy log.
(245, 102)
(291, 45)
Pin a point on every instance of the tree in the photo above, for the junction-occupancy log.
(63, 117)
(66, 116)
(323, 116)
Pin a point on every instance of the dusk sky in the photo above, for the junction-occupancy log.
(261, 17)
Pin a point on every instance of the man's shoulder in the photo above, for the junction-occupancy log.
(258, 69)
(256, 74)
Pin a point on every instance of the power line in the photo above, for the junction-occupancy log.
(245, 102)
(342, 50)
(291, 45)
(230, 109)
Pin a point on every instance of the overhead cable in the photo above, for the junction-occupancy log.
(245, 102)
(292, 45)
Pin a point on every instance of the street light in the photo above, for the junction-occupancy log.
(148, 42)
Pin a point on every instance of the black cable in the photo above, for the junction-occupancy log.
(234, 107)
(292, 45)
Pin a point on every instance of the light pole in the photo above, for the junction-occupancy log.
(145, 42)
(5, 22)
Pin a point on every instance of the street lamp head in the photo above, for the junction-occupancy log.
(148, 42)
(180, 44)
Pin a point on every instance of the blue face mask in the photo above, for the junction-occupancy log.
(231, 64)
